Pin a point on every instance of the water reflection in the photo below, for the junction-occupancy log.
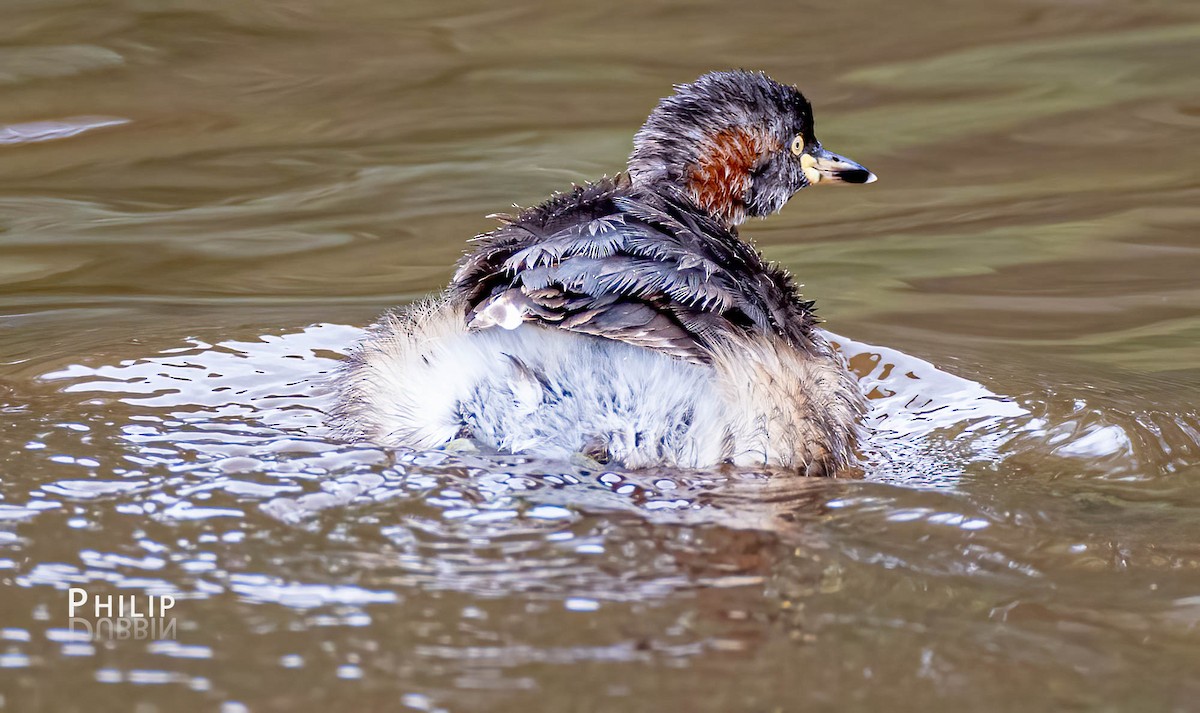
(34, 132)
(232, 499)
(234, 429)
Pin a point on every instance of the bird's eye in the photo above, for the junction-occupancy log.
(798, 144)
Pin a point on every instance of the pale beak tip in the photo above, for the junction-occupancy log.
(871, 178)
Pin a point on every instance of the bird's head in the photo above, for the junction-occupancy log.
(738, 144)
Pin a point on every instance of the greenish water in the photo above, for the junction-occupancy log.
(202, 203)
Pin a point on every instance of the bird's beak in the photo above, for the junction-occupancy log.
(825, 166)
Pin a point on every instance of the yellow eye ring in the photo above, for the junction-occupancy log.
(798, 145)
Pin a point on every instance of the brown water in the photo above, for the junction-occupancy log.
(202, 202)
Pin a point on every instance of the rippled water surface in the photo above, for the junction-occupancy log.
(201, 204)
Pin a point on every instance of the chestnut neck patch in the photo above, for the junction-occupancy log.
(720, 179)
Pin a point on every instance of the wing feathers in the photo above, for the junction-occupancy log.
(636, 267)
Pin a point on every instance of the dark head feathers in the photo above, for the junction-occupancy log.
(678, 126)
(725, 140)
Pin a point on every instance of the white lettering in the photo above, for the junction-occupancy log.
(72, 593)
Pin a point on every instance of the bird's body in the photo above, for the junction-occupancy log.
(625, 319)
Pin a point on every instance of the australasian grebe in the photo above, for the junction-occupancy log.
(625, 319)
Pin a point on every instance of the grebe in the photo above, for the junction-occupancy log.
(625, 319)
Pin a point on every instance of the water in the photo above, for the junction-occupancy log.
(202, 203)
